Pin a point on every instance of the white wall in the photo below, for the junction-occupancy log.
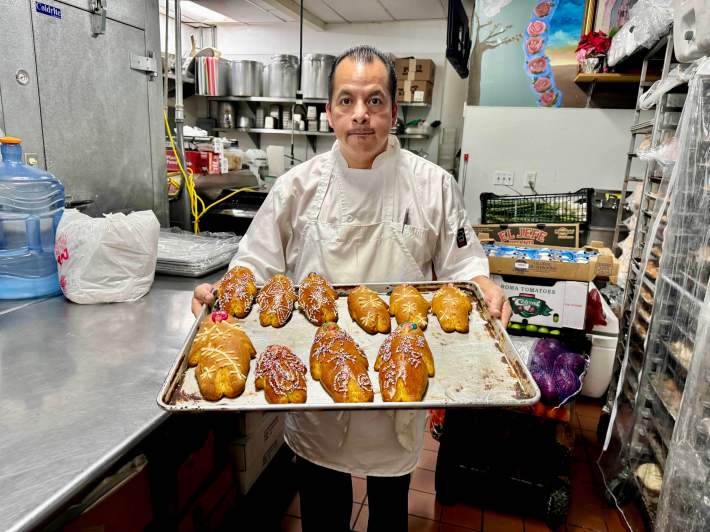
(424, 39)
(185, 32)
(568, 148)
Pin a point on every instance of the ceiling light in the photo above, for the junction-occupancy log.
(194, 12)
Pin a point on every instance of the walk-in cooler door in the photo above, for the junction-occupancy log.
(94, 109)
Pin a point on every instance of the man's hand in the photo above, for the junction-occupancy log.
(202, 296)
(495, 298)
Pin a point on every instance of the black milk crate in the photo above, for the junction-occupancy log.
(571, 207)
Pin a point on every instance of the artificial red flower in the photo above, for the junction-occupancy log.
(594, 43)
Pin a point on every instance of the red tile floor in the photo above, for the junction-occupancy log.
(588, 509)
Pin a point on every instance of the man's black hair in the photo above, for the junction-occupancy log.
(366, 54)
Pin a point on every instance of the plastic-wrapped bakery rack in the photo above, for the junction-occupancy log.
(685, 337)
(189, 255)
(648, 21)
(658, 443)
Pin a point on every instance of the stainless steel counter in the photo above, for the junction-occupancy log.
(78, 387)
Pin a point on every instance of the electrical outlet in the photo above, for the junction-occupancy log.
(503, 178)
(530, 179)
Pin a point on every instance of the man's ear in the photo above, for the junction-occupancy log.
(395, 109)
(329, 113)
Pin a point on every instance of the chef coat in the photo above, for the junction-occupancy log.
(402, 220)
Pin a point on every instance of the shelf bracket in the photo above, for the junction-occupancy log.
(312, 140)
(255, 138)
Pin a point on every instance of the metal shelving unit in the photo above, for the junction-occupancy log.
(641, 127)
(657, 330)
(255, 133)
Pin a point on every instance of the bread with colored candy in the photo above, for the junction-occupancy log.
(282, 376)
(405, 364)
(316, 299)
(340, 365)
(276, 301)
(236, 291)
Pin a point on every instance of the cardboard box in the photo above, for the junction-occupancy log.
(193, 161)
(247, 478)
(604, 265)
(200, 162)
(560, 304)
(248, 423)
(247, 449)
(253, 453)
(561, 235)
(109, 512)
(409, 68)
(414, 91)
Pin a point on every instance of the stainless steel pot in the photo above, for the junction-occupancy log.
(226, 115)
(314, 75)
(246, 78)
(281, 76)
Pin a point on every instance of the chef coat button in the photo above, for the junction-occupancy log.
(348, 218)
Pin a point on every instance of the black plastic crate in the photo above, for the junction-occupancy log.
(571, 207)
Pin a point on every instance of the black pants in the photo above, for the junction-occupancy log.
(327, 500)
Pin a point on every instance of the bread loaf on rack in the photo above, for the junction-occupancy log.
(340, 365)
(369, 310)
(282, 375)
(276, 301)
(226, 334)
(316, 299)
(236, 291)
(452, 307)
(408, 305)
(222, 353)
(404, 363)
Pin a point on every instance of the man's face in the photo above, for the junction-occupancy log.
(361, 110)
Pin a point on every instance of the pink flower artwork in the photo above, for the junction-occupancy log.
(534, 44)
(537, 27)
(543, 9)
(542, 84)
(548, 99)
(537, 65)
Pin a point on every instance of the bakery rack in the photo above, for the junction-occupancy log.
(642, 125)
(679, 350)
(664, 298)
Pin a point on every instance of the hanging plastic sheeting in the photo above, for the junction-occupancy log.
(685, 323)
(643, 454)
(649, 20)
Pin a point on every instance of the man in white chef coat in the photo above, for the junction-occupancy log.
(366, 211)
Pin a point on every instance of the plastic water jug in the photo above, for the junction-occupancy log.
(31, 205)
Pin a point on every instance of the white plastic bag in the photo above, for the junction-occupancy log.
(106, 260)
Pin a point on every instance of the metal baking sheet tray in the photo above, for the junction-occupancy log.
(478, 369)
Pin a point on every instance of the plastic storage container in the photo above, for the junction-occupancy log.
(31, 205)
(604, 339)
